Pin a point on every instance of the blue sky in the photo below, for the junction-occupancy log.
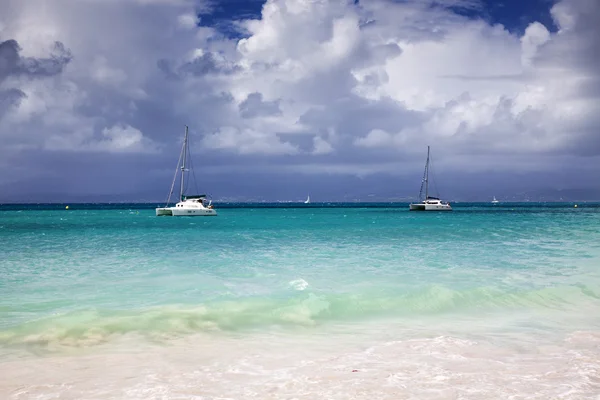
(515, 15)
(336, 98)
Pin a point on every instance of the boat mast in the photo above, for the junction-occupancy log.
(427, 175)
(183, 164)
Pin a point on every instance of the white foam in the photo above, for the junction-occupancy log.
(380, 362)
(298, 284)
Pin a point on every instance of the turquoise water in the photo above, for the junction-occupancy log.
(85, 278)
(127, 270)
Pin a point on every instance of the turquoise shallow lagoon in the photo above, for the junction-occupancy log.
(285, 302)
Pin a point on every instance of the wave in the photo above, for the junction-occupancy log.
(91, 327)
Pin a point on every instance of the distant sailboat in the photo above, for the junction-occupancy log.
(428, 203)
(188, 206)
(495, 201)
(307, 201)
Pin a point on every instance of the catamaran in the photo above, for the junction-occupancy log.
(428, 203)
(495, 201)
(188, 205)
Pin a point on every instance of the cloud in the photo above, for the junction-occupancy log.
(321, 146)
(376, 138)
(120, 138)
(247, 141)
(254, 106)
(103, 74)
(201, 64)
(358, 86)
(125, 138)
(188, 21)
(535, 36)
(10, 98)
(12, 64)
(17, 71)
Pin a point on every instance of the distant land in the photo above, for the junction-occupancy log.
(543, 195)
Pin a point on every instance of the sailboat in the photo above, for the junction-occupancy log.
(428, 203)
(495, 201)
(307, 201)
(188, 205)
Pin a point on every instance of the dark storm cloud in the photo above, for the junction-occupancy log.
(355, 117)
(11, 62)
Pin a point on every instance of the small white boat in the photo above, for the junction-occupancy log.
(188, 206)
(495, 201)
(307, 201)
(428, 203)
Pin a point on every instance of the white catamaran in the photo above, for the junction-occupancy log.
(428, 203)
(188, 206)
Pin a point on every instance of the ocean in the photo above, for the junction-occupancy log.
(324, 301)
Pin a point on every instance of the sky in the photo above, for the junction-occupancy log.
(283, 98)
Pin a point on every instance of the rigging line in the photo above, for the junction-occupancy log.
(434, 181)
(192, 167)
(174, 179)
(422, 183)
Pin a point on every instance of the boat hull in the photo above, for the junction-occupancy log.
(430, 207)
(185, 212)
(163, 211)
(193, 212)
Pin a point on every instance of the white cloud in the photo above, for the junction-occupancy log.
(104, 74)
(120, 138)
(535, 35)
(188, 21)
(321, 146)
(124, 138)
(564, 15)
(375, 138)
